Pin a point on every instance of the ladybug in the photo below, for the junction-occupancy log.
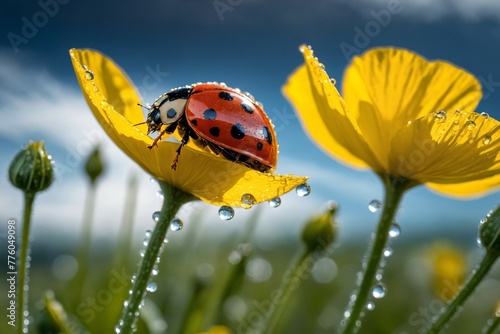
(229, 122)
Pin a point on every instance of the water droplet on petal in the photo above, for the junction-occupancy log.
(303, 190)
(275, 202)
(151, 287)
(486, 140)
(471, 125)
(374, 205)
(485, 115)
(247, 201)
(395, 230)
(250, 96)
(226, 212)
(89, 75)
(156, 216)
(388, 252)
(333, 81)
(440, 116)
(104, 104)
(176, 225)
(378, 291)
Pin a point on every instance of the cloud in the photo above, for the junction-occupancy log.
(429, 10)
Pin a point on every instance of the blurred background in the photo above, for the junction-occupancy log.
(252, 45)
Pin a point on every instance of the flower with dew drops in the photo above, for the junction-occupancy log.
(114, 102)
(403, 116)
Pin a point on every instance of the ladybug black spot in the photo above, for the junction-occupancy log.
(246, 107)
(267, 135)
(214, 131)
(209, 114)
(194, 122)
(226, 96)
(171, 113)
(260, 146)
(237, 131)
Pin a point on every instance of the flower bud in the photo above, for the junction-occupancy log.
(320, 231)
(31, 170)
(94, 166)
(489, 231)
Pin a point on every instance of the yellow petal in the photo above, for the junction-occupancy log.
(447, 148)
(208, 177)
(386, 87)
(324, 114)
(468, 189)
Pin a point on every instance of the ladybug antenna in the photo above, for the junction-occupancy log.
(145, 107)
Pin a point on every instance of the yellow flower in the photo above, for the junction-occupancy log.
(402, 116)
(113, 100)
(448, 269)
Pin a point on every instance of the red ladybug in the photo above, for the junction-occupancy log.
(226, 120)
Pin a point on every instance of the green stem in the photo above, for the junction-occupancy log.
(394, 190)
(173, 200)
(126, 228)
(492, 325)
(285, 291)
(29, 198)
(84, 250)
(472, 282)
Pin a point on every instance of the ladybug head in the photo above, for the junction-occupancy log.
(164, 111)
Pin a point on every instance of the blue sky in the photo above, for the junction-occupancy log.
(250, 44)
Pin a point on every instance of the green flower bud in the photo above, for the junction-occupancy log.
(94, 166)
(320, 231)
(52, 317)
(31, 170)
(489, 230)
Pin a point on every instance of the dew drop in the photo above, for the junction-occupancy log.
(374, 205)
(333, 81)
(176, 225)
(145, 242)
(457, 113)
(247, 201)
(153, 180)
(155, 271)
(485, 115)
(303, 190)
(250, 96)
(151, 287)
(148, 233)
(378, 291)
(471, 125)
(387, 252)
(89, 75)
(395, 230)
(440, 116)
(226, 212)
(370, 306)
(156, 216)
(322, 66)
(159, 193)
(486, 140)
(275, 202)
(104, 104)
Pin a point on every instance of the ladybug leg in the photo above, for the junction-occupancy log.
(184, 141)
(169, 129)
